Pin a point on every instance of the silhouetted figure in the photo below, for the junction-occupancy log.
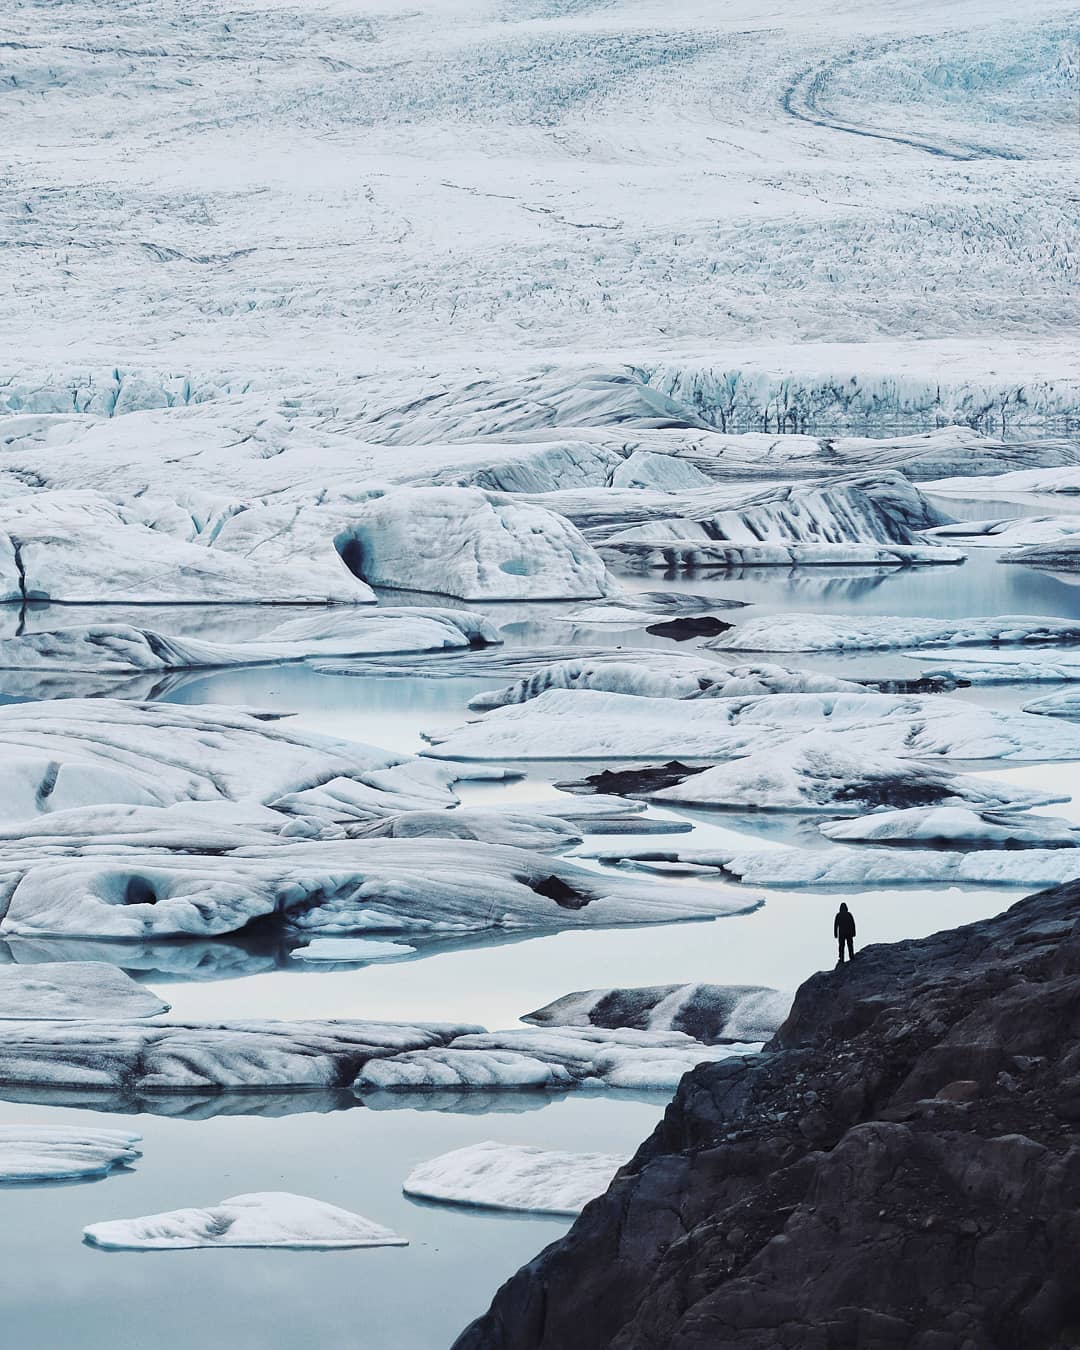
(843, 929)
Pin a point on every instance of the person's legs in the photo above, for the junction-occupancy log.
(841, 951)
(850, 949)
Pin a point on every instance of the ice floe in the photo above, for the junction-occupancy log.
(79, 752)
(340, 632)
(261, 1219)
(955, 825)
(646, 547)
(242, 1056)
(708, 1012)
(63, 1152)
(1010, 532)
(652, 674)
(544, 1058)
(514, 1177)
(350, 949)
(1064, 479)
(459, 542)
(811, 774)
(879, 866)
(845, 632)
(1063, 704)
(326, 888)
(992, 666)
(589, 724)
(667, 473)
(74, 990)
(1062, 555)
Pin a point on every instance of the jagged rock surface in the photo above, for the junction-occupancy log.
(899, 1169)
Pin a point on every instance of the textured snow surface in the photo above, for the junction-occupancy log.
(457, 541)
(843, 632)
(77, 752)
(238, 1056)
(262, 1219)
(646, 548)
(812, 774)
(1060, 556)
(654, 674)
(545, 1058)
(514, 1177)
(708, 1012)
(586, 724)
(1064, 704)
(120, 648)
(323, 888)
(63, 1152)
(1052, 666)
(954, 825)
(885, 866)
(1024, 532)
(350, 949)
(1065, 480)
(74, 990)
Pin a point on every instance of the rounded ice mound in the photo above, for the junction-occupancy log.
(261, 1219)
(63, 1152)
(460, 542)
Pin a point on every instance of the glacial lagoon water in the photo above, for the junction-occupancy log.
(328, 1146)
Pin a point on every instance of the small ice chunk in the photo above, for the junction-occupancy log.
(261, 1219)
(74, 991)
(350, 949)
(514, 1177)
(63, 1152)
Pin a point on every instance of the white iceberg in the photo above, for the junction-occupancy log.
(63, 1152)
(811, 773)
(340, 632)
(666, 473)
(940, 825)
(76, 752)
(847, 632)
(708, 1012)
(243, 1056)
(1063, 479)
(869, 867)
(74, 991)
(991, 666)
(350, 949)
(514, 1177)
(588, 724)
(79, 547)
(328, 888)
(461, 1069)
(1008, 532)
(1064, 704)
(1062, 555)
(652, 674)
(645, 546)
(459, 542)
(261, 1219)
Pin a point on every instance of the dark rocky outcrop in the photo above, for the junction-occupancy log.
(901, 1169)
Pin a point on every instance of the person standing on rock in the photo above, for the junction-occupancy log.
(844, 931)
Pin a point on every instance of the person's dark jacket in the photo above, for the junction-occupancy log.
(844, 924)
